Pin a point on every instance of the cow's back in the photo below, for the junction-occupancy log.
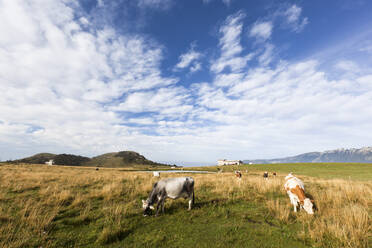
(177, 187)
(292, 182)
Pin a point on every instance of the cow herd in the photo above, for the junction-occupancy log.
(183, 187)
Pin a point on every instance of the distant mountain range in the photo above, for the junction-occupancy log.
(353, 155)
(113, 159)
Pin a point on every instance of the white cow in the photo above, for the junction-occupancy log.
(156, 174)
(173, 188)
(296, 192)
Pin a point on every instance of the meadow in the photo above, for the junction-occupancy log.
(55, 206)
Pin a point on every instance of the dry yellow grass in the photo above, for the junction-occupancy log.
(343, 218)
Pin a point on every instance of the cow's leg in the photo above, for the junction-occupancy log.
(158, 206)
(161, 202)
(162, 205)
(191, 200)
(294, 203)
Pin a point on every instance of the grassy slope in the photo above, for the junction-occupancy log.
(80, 207)
(112, 160)
(354, 171)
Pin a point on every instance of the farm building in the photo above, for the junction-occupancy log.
(50, 162)
(228, 162)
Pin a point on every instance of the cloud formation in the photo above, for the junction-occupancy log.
(293, 18)
(190, 59)
(160, 4)
(261, 30)
(71, 86)
(67, 76)
(226, 2)
(230, 45)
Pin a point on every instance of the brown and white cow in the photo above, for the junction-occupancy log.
(296, 192)
(238, 174)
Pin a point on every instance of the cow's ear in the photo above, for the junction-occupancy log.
(312, 201)
(152, 207)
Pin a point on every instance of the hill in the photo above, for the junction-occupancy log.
(70, 159)
(120, 159)
(39, 158)
(353, 155)
(111, 160)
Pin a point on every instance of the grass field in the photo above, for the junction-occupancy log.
(354, 171)
(50, 206)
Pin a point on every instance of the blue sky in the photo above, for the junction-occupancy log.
(185, 81)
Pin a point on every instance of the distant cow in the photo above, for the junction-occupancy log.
(266, 175)
(238, 174)
(274, 174)
(156, 174)
(296, 192)
(173, 188)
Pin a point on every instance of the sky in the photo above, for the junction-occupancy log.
(185, 80)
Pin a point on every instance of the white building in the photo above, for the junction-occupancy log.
(50, 162)
(221, 162)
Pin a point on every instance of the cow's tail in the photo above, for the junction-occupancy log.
(193, 193)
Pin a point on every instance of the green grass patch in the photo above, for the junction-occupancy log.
(353, 171)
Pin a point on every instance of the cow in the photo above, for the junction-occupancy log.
(266, 175)
(238, 174)
(274, 174)
(296, 192)
(156, 174)
(173, 188)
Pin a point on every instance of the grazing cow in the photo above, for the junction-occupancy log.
(266, 175)
(156, 174)
(238, 174)
(274, 174)
(296, 192)
(169, 188)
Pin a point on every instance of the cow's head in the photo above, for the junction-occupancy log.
(146, 207)
(308, 206)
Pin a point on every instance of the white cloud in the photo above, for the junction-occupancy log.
(226, 2)
(100, 3)
(190, 59)
(293, 18)
(160, 100)
(160, 4)
(367, 48)
(66, 89)
(347, 65)
(230, 45)
(287, 104)
(231, 32)
(266, 57)
(261, 30)
(195, 67)
(223, 80)
(64, 78)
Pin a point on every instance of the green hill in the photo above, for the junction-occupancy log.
(110, 160)
(120, 159)
(70, 159)
(39, 158)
